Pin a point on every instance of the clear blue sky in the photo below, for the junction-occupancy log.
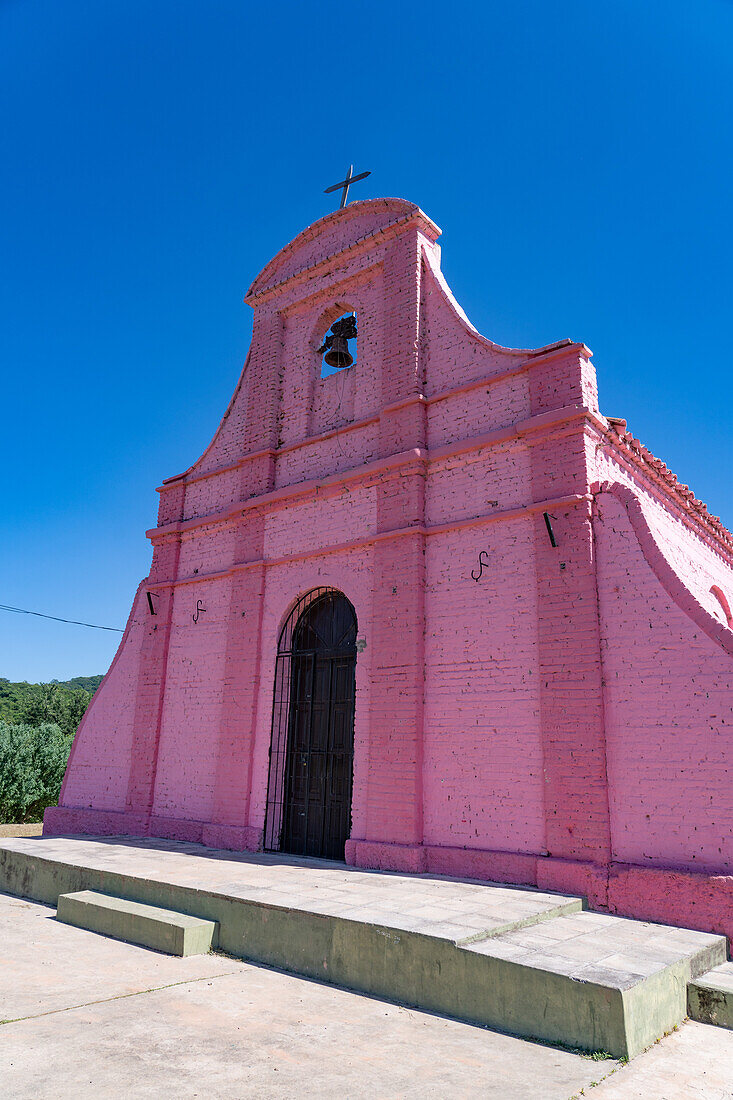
(158, 152)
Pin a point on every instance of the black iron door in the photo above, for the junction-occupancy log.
(320, 739)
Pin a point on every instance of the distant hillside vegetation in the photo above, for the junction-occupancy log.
(37, 723)
(61, 702)
(87, 683)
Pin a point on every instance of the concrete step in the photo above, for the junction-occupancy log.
(623, 983)
(147, 925)
(519, 960)
(710, 997)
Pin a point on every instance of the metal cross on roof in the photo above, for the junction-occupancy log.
(345, 184)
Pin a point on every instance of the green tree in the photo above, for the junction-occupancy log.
(62, 701)
(53, 704)
(32, 764)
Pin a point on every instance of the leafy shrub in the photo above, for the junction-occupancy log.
(32, 764)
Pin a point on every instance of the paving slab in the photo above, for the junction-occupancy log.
(595, 947)
(408, 902)
(634, 974)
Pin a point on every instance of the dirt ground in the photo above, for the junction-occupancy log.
(34, 829)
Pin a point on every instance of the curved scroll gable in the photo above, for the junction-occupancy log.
(432, 260)
(665, 574)
(197, 467)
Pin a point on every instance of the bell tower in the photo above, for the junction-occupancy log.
(364, 258)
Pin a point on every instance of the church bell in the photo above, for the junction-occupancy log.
(338, 355)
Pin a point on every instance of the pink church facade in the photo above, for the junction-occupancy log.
(542, 644)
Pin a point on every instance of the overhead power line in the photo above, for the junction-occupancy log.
(74, 622)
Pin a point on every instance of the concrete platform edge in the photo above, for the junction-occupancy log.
(407, 967)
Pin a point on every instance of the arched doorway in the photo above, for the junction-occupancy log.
(312, 745)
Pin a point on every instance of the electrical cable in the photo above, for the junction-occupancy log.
(74, 622)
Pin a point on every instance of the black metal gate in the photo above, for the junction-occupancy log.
(312, 745)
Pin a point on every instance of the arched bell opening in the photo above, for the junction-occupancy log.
(312, 742)
(339, 344)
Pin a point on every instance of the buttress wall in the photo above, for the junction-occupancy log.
(669, 704)
(100, 761)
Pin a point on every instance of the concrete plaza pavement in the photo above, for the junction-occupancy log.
(89, 1017)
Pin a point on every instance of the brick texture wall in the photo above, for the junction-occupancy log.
(565, 719)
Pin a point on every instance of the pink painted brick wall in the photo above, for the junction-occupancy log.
(311, 525)
(668, 713)
(564, 721)
(190, 725)
(483, 742)
(101, 759)
(478, 483)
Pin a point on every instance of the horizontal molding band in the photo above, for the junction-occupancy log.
(542, 423)
(381, 536)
